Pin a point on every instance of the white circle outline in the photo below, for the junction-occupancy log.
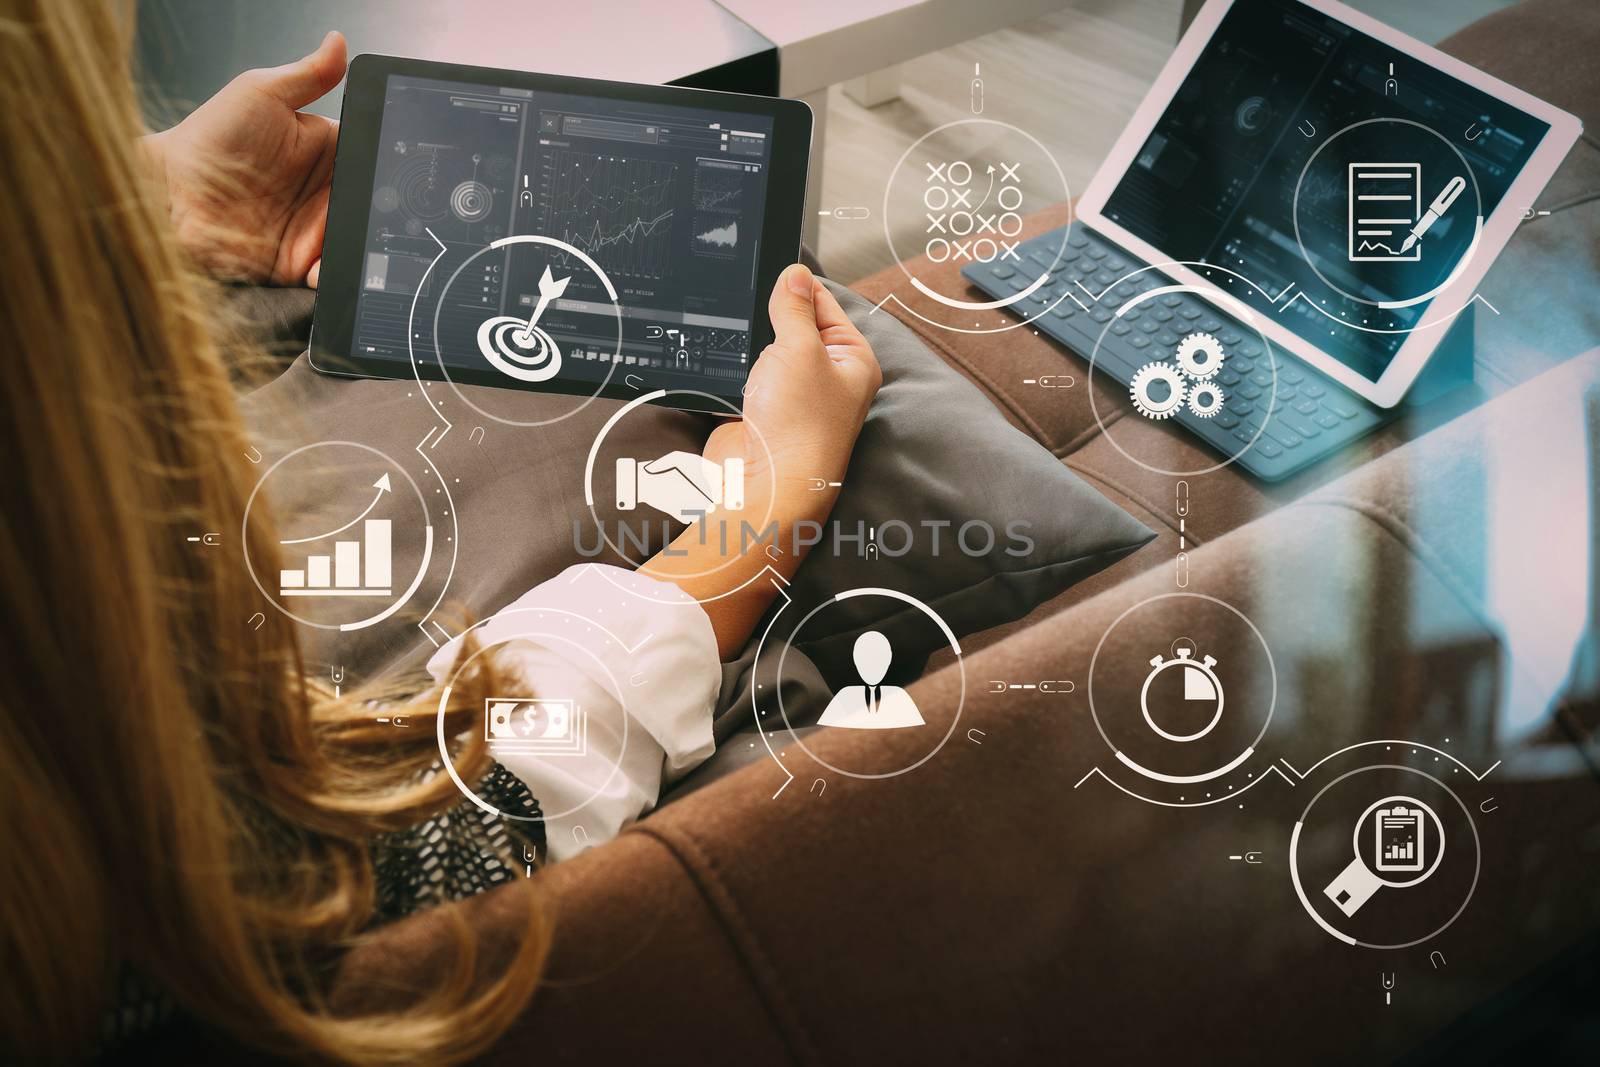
(1294, 860)
(444, 699)
(851, 594)
(1272, 671)
(1477, 195)
(422, 569)
(515, 239)
(1066, 232)
(594, 450)
(1241, 310)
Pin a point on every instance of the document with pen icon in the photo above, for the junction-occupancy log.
(1385, 201)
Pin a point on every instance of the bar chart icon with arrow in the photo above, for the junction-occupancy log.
(354, 567)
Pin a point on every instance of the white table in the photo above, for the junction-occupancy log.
(824, 42)
(191, 48)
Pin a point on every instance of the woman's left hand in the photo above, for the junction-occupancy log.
(247, 174)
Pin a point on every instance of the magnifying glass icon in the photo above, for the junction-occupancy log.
(1408, 843)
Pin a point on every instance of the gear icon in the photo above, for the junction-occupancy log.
(1200, 355)
(1148, 375)
(1205, 399)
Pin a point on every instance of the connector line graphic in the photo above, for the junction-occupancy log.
(1391, 742)
(1233, 795)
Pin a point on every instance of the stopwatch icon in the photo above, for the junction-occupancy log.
(1182, 690)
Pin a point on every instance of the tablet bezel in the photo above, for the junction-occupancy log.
(1407, 363)
(331, 349)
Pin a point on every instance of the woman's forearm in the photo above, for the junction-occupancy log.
(724, 562)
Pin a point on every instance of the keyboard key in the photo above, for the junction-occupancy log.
(1262, 378)
(1268, 449)
(1286, 393)
(1121, 328)
(1250, 348)
(1326, 421)
(1098, 253)
(1166, 337)
(1291, 374)
(1299, 424)
(1304, 405)
(1000, 270)
(1064, 310)
(1313, 389)
(1245, 434)
(1162, 315)
(1078, 240)
(1139, 340)
(1148, 325)
(1100, 314)
(1282, 434)
(1190, 312)
(1172, 300)
(1228, 376)
(1211, 324)
(1249, 392)
(1227, 420)
(1241, 364)
(1341, 406)
(1240, 406)
(1229, 337)
(1103, 278)
(1116, 263)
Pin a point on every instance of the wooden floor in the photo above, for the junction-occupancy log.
(1071, 79)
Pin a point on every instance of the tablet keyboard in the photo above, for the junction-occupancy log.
(1311, 417)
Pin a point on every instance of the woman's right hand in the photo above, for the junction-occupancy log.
(805, 401)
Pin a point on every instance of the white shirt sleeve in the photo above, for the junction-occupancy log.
(638, 659)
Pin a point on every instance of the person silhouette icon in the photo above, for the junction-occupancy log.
(871, 706)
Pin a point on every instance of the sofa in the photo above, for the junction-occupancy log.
(1427, 596)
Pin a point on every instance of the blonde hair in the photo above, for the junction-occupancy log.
(177, 801)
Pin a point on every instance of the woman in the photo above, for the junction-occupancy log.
(193, 827)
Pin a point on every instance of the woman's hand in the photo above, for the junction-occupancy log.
(805, 402)
(247, 174)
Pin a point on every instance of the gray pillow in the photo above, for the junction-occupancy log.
(934, 451)
(934, 454)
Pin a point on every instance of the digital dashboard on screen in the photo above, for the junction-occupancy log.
(666, 200)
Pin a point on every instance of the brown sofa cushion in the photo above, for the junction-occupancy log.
(985, 910)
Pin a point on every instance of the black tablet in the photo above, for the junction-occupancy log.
(564, 235)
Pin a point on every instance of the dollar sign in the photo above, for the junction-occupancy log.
(529, 715)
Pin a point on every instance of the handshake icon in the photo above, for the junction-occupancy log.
(680, 484)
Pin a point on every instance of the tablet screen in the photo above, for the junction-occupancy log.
(667, 200)
(1302, 154)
